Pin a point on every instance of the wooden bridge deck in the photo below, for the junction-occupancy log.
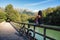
(7, 32)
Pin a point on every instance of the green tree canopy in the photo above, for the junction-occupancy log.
(2, 15)
(24, 17)
(12, 14)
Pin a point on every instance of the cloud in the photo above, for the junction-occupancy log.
(38, 3)
(35, 10)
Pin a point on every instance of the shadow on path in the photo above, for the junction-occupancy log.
(7, 32)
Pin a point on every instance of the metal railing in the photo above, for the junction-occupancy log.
(42, 26)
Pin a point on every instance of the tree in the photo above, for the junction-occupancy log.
(53, 18)
(12, 14)
(2, 15)
(24, 17)
(32, 19)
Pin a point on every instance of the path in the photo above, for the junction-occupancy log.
(7, 32)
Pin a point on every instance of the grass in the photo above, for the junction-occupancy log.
(51, 33)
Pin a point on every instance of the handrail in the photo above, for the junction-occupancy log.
(57, 28)
(42, 26)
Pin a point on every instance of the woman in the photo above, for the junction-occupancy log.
(38, 19)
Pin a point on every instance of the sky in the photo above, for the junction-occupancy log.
(33, 5)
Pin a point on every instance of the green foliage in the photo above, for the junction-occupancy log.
(12, 14)
(2, 15)
(53, 18)
(24, 17)
(47, 11)
(50, 15)
(31, 19)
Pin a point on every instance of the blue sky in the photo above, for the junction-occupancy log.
(31, 4)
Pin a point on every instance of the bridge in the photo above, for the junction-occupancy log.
(9, 31)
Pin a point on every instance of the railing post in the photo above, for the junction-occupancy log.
(44, 33)
(28, 26)
(28, 29)
(34, 32)
(24, 29)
